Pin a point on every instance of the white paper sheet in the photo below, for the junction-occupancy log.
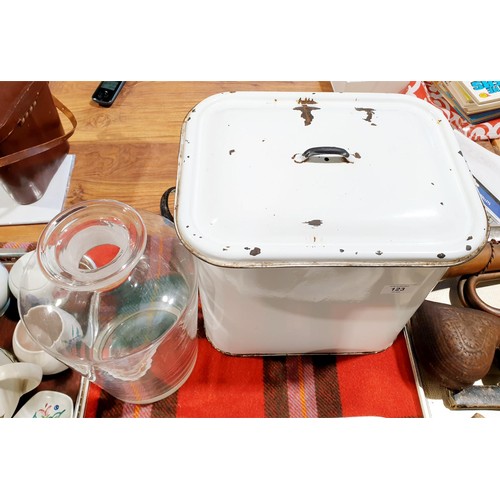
(43, 210)
(485, 167)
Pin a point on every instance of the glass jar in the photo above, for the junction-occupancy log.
(112, 293)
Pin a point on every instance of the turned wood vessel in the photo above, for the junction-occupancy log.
(455, 345)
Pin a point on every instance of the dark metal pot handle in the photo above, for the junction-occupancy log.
(325, 150)
(164, 210)
(322, 150)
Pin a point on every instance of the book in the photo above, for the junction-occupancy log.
(466, 101)
(464, 105)
(482, 92)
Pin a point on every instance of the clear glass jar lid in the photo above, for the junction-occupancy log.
(66, 244)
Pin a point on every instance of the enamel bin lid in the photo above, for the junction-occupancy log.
(278, 179)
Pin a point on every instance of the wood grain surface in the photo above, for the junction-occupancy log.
(129, 152)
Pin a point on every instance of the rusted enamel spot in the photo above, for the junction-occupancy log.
(314, 222)
(469, 238)
(379, 252)
(441, 255)
(468, 247)
(357, 155)
(369, 114)
(231, 151)
(255, 251)
(306, 110)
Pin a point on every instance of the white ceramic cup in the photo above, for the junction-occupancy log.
(51, 326)
(36, 280)
(16, 379)
(27, 350)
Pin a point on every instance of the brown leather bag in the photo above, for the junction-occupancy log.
(33, 143)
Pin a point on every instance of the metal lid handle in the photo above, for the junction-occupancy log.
(325, 151)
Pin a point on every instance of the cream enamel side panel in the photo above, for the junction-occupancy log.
(309, 310)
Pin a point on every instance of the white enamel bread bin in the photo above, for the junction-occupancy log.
(320, 221)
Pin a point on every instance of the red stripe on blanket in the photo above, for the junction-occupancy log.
(379, 384)
(222, 386)
(93, 395)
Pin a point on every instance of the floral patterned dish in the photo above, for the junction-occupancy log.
(47, 404)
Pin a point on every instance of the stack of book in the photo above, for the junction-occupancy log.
(476, 102)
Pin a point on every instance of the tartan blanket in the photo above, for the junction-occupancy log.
(313, 386)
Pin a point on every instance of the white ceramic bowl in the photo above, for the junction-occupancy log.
(16, 273)
(16, 379)
(27, 350)
(47, 404)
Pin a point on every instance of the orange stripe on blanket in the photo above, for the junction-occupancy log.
(222, 386)
(380, 384)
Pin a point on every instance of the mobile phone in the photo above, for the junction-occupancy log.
(106, 93)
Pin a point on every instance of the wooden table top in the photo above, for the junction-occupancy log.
(128, 152)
